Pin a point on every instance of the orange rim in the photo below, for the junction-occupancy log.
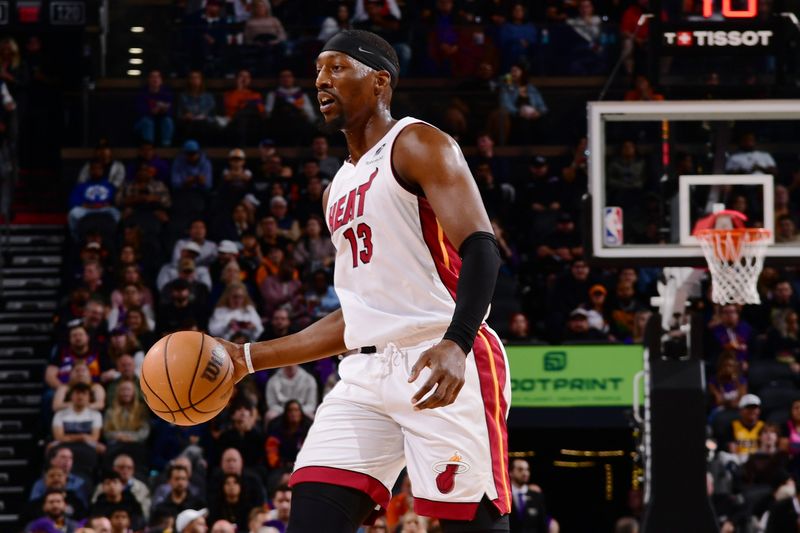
(727, 243)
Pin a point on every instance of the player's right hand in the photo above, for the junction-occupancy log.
(236, 352)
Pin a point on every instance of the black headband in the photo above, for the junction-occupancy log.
(353, 44)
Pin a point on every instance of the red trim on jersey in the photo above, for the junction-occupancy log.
(446, 510)
(492, 377)
(444, 254)
(343, 478)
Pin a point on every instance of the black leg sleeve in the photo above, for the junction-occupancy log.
(487, 520)
(326, 508)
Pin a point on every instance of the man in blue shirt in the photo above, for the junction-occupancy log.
(93, 196)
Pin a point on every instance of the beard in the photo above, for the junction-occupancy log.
(334, 125)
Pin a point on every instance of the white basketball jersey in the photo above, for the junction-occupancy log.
(396, 272)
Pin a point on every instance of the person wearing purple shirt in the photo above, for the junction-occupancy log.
(147, 154)
(154, 106)
(517, 39)
(731, 333)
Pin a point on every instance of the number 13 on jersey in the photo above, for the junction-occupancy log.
(360, 243)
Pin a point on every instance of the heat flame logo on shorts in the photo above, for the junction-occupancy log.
(446, 480)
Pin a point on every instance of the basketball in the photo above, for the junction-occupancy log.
(187, 378)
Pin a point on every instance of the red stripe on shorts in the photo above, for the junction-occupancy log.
(445, 256)
(491, 366)
(445, 510)
(343, 478)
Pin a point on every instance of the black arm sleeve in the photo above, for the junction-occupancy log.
(480, 262)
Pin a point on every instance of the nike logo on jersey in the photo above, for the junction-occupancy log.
(349, 206)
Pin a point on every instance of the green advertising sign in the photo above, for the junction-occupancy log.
(573, 376)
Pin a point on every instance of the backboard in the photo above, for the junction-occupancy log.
(657, 168)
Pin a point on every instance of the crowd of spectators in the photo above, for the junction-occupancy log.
(239, 248)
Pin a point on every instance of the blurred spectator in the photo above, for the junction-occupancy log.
(114, 497)
(235, 313)
(278, 517)
(486, 154)
(179, 498)
(382, 18)
(400, 503)
(320, 298)
(53, 515)
(61, 457)
(207, 38)
(227, 504)
(310, 203)
(144, 199)
(95, 197)
(197, 107)
(508, 251)
(56, 479)
(741, 438)
(578, 329)
(263, 28)
(333, 25)
(518, 329)
(291, 110)
(564, 244)
(192, 169)
(231, 462)
(496, 196)
(790, 437)
(314, 250)
(528, 513)
(127, 420)
(783, 339)
(236, 180)
(284, 289)
(132, 297)
(147, 155)
(154, 107)
(623, 309)
(244, 434)
(541, 190)
(626, 176)
(196, 480)
(643, 91)
(517, 39)
(328, 165)
(197, 235)
(728, 385)
(748, 159)
(279, 325)
(80, 373)
(634, 37)
(286, 434)
(587, 57)
(181, 309)
(79, 426)
(225, 526)
(255, 519)
(521, 105)
(137, 325)
(100, 524)
(121, 520)
(13, 70)
(187, 262)
(291, 383)
(76, 352)
(227, 253)
(242, 101)
(124, 465)
(113, 171)
(728, 332)
(598, 312)
(126, 370)
(288, 226)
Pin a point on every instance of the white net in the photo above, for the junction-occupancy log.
(735, 258)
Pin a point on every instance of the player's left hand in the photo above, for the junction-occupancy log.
(447, 363)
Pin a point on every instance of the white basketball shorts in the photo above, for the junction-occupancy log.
(366, 430)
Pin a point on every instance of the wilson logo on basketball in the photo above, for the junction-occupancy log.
(214, 365)
(446, 480)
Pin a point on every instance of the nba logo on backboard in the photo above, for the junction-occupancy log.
(612, 230)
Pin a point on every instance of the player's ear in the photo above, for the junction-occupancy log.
(382, 80)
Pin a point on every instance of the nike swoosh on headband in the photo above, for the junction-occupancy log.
(365, 51)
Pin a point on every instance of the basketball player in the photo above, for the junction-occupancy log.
(416, 265)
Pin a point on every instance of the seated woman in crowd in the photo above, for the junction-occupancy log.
(131, 273)
(263, 28)
(79, 374)
(137, 325)
(132, 297)
(127, 420)
(314, 249)
(286, 434)
(283, 290)
(235, 312)
(226, 502)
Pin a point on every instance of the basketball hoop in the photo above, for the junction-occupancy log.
(735, 258)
